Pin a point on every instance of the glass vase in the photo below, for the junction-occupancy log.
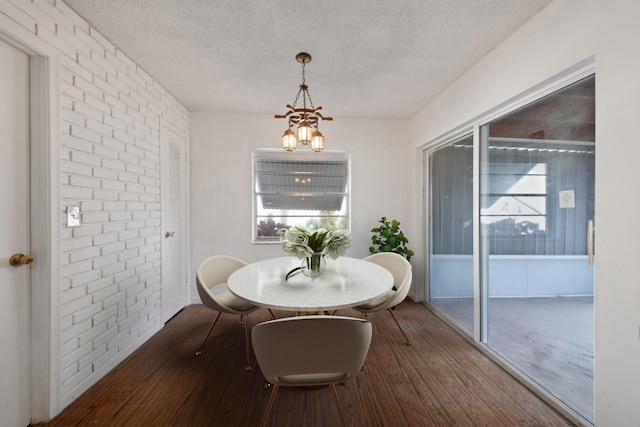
(314, 265)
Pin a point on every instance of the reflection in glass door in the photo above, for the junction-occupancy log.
(451, 229)
(537, 174)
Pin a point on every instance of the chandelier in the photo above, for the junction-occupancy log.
(306, 118)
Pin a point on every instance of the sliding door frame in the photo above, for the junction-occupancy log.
(579, 71)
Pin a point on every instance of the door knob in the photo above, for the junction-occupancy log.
(169, 234)
(17, 260)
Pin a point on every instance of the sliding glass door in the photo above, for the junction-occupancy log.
(533, 292)
(537, 178)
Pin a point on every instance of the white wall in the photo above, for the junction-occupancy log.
(221, 146)
(567, 33)
(545, 276)
(109, 151)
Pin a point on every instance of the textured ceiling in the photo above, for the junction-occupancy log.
(374, 59)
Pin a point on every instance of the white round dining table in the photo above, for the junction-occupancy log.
(347, 282)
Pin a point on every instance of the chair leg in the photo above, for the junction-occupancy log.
(267, 410)
(399, 327)
(335, 398)
(246, 341)
(199, 351)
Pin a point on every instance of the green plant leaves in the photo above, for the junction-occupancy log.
(389, 238)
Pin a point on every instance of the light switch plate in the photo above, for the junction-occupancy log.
(73, 216)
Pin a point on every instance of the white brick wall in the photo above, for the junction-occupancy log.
(110, 152)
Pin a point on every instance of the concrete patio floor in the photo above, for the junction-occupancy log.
(548, 338)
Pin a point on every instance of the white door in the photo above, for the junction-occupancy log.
(173, 194)
(15, 399)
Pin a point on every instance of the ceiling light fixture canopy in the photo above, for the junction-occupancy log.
(306, 119)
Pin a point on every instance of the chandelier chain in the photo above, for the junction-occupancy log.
(306, 91)
(295, 101)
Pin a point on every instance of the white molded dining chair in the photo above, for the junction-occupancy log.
(310, 351)
(211, 278)
(400, 269)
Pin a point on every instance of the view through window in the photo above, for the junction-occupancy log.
(301, 188)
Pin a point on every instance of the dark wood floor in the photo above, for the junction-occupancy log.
(441, 380)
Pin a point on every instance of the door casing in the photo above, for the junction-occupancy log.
(45, 232)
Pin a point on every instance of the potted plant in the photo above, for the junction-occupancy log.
(389, 238)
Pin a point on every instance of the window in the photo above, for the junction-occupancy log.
(302, 188)
(516, 201)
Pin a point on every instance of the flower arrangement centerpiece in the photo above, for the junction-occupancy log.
(311, 247)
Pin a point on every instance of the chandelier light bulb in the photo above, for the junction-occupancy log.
(317, 141)
(304, 132)
(289, 140)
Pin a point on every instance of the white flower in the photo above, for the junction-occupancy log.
(301, 243)
(295, 241)
(336, 245)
